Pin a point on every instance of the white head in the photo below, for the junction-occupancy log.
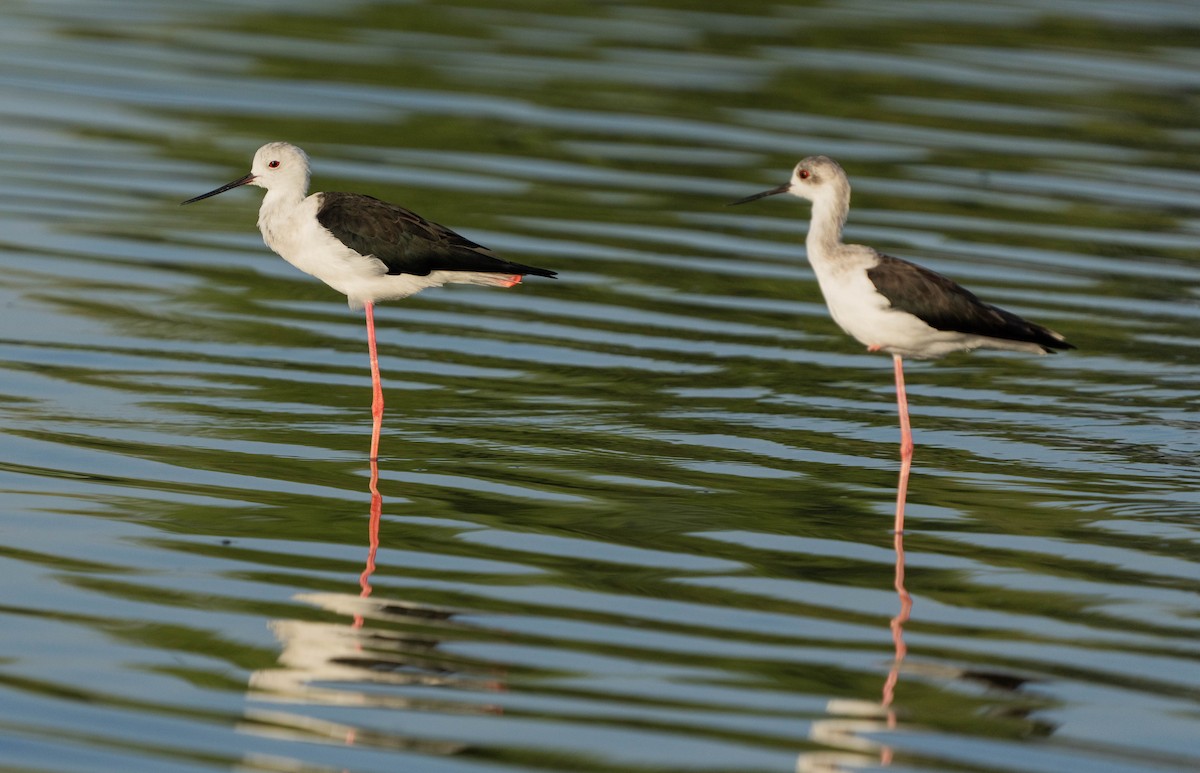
(814, 178)
(278, 166)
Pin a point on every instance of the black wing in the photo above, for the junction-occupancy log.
(945, 305)
(404, 241)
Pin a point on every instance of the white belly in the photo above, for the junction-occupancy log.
(296, 236)
(869, 318)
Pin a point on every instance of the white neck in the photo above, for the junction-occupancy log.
(278, 206)
(828, 218)
(282, 197)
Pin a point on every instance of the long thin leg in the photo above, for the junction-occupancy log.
(376, 386)
(906, 443)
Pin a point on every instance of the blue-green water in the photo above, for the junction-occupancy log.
(636, 518)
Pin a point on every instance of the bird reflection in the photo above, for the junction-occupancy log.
(856, 718)
(848, 732)
(384, 656)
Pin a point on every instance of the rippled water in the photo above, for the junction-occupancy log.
(637, 518)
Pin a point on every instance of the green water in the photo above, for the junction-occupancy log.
(636, 518)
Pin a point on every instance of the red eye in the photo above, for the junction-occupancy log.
(803, 175)
(274, 164)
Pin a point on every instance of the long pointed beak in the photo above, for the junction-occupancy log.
(227, 187)
(781, 189)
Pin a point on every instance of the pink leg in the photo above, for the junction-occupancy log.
(364, 579)
(897, 625)
(906, 443)
(376, 386)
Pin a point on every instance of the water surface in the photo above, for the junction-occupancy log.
(637, 517)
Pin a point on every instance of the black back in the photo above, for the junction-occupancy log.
(945, 305)
(404, 241)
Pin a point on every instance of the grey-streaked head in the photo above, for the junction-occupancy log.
(814, 177)
(278, 165)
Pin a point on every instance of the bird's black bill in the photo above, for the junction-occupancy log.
(781, 189)
(227, 187)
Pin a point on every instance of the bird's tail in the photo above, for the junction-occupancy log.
(479, 278)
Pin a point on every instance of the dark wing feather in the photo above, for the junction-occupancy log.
(945, 305)
(404, 241)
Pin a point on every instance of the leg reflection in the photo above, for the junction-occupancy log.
(364, 579)
(847, 734)
(899, 647)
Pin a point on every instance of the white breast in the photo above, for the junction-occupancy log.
(293, 232)
(866, 315)
(860, 310)
(296, 236)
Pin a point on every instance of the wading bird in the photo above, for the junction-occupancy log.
(891, 305)
(368, 249)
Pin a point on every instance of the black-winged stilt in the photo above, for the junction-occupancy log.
(363, 247)
(892, 305)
